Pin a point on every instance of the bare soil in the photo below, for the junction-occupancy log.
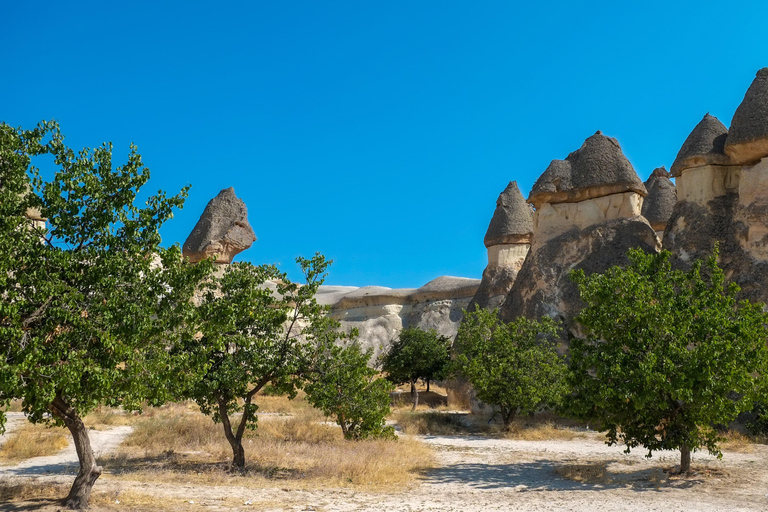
(474, 473)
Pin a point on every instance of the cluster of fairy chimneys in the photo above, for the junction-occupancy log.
(596, 184)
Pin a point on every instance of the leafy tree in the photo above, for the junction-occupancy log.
(252, 336)
(668, 354)
(514, 366)
(415, 355)
(342, 385)
(91, 302)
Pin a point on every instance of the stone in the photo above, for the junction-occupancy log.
(512, 221)
(380, 313)
(598, 168)
(747, 140)
(543, 286)
(704, 146)
(507, 240)
(661, 199)
(222, 230)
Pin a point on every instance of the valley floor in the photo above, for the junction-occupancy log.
(473, 473)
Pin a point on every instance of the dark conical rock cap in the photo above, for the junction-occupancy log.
(512, 222)
(661, 199)
(704, 146)
(747, 140)
(597, 169)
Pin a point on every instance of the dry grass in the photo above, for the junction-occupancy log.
(33, 441)
(738, 442)
(592, 473)
(540, 430)
(436, 423)
(26, 490)
(300, 450)
(104, 417)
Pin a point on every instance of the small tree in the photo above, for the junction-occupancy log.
(668, 354)
(514, 366)
(343, 386)
(91, 302)
(415, 355)
(251, 337)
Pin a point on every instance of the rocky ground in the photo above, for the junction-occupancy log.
(473, 474)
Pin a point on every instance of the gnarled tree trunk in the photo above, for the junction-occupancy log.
(414, 394)
(235, 441)
(80, 493)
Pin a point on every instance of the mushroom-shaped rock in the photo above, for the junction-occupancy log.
(704, 146)
(222, 231)
(747, 140)
(661, 199)
(598, 168)
(512, 222)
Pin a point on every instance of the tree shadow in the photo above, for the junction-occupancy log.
(544, 475)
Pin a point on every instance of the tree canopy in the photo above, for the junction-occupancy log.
(514, 366)
(417, 354)
(253, 322)
(91, 301)
(668, 354)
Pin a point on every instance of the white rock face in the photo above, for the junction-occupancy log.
(381, 313)
(552, 220)
(702, 184)
(508, 255)
(752, 209)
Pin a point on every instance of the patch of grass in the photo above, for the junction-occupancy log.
(301, 450)
(26, 490)
(14, 406)
(281, 404)
(540, 430)
(33, 441)
(436, 423)
(106, 417)
(592, 473)
(738, 442)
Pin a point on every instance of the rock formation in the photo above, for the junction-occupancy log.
(660, 201)
(381, 313)
(508, 240)
(222, 230)
(747, 141)
(588, 215)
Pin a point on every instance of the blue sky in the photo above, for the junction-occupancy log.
(379, 134)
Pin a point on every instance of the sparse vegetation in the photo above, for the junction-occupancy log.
(33, 441)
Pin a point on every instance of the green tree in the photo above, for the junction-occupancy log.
(91, 302)
(668, 354)
(415, 355)
(253, 320)
(514, 366)
(343, 386)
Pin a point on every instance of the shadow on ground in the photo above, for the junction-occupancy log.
(544, 475)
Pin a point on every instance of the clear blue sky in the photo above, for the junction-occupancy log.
(379, 133)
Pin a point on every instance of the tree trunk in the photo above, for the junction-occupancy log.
(414, 395)
(235, 441)
(427, 385)
(80, 493)
(685, 459)
(507, 417)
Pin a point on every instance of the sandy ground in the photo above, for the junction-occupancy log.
(474, 474)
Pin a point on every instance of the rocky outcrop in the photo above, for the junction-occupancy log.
(507, 240)
(588, 215)
(222, 230)
(660, 201)
(747, 140)
(704, 146)
(381, 313)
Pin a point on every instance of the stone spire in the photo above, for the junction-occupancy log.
(598, 168)
(222, 230)
(512, 222)
(661, 199)
(747, 140)
(704, 146)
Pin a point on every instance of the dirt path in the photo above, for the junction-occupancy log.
(478, 474)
